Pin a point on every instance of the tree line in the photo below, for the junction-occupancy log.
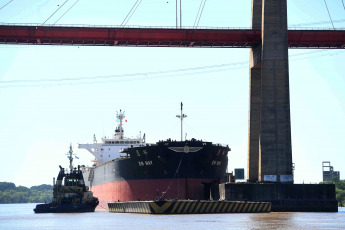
(10, 193)
(339, 189)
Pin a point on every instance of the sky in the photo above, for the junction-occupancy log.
(39, 119)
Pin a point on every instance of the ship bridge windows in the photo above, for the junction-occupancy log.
(122, 142)
(71, 182)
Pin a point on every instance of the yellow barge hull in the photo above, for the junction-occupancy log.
(188, 207)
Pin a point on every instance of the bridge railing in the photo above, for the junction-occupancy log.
(127, 26)
(156, 27)
(313, 28)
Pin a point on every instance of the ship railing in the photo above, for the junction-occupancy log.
(220, 144)
(91, 175)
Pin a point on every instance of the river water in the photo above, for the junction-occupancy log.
(21, 216)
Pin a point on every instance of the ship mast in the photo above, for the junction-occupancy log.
(182, 116)
(120, 116)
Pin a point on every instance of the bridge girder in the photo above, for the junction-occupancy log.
(162, 37)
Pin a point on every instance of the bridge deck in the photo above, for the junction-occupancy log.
(162, 37)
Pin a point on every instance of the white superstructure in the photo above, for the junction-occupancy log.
(110, 147)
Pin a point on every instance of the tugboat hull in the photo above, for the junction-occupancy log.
(65, 208)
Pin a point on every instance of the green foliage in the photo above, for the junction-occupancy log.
(42, 187)
(6, 186)
(339, 189)
(9, 193)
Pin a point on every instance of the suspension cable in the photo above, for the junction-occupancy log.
(54, 12)
(201, 13)
(317, 23)
(66, 12)
(152, 75)
(329, 13)
(176, 16)
(131, 12)
(197, 15)
(6, 4)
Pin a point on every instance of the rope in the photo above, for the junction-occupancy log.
(329, 13)
(54, 12)
(6, 4)
(178, 167)
(103, 207)
(66, 12)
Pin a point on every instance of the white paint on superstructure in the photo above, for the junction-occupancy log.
(110, 148)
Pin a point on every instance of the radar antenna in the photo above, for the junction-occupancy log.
(94, 139)
(182, 116)
(70, 156)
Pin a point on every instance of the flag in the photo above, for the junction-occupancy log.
(125, 120)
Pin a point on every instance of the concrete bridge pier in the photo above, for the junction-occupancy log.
(269, 152)
(254, 97)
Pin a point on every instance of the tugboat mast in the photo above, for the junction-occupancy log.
(70, 158)
(182, 116)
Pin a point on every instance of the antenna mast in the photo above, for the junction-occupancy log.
(70, 158)
(120, 116)
(182, 116)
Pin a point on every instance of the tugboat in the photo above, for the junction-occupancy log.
(69, 193)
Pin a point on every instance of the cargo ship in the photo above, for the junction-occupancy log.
(127, 169)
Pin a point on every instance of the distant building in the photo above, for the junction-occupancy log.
(327, 171)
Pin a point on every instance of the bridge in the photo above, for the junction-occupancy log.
(270, 152)
(161, 37)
